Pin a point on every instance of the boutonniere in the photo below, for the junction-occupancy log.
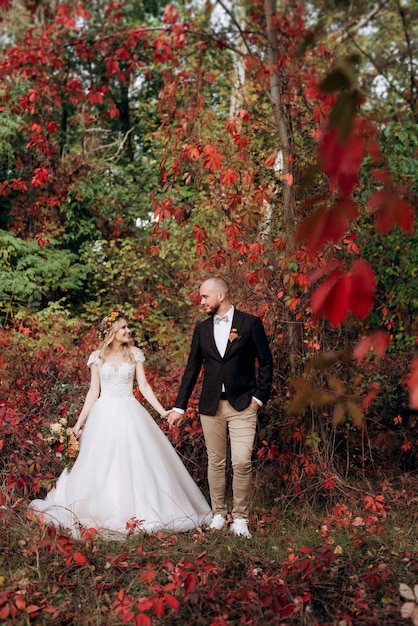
(233, 335)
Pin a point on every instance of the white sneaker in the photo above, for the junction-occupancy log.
(218, 522)
(240, 527)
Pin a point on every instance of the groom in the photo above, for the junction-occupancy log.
(227, 344)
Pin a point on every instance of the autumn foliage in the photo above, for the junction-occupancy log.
(264, 162)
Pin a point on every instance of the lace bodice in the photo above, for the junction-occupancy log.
(116, 383)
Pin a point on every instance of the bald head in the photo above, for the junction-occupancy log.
(215, 296)
(218, 284)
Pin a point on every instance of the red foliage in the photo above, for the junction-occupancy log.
(341, 292)
(213, 158)
(327, 224)
(341, 160)
(390, 210)
(378, 341)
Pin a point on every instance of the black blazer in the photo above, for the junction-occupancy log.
(236, 369)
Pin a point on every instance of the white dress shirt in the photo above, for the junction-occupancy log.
(221, 331)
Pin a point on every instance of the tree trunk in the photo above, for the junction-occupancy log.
(283, 125)
(285, 150)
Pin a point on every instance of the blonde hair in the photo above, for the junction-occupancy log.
(109, 337)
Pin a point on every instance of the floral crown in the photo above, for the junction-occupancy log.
(108, 321)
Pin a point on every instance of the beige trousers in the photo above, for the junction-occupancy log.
(241, 426)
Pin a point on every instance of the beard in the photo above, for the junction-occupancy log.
(213, 310)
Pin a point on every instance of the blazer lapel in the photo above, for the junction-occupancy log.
(210, 334)
(236, 325)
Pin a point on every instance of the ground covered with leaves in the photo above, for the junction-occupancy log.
(344, 562)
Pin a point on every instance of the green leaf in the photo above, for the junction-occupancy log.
(313, 440)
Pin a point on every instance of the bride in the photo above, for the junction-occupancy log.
(127, 472)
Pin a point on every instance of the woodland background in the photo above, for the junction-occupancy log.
(145, 146)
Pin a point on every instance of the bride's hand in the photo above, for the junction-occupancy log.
(77, 431)
(173, 417)
(164, 414)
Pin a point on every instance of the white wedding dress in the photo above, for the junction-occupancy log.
(127, 471)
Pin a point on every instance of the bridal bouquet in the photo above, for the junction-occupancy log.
(59, 436)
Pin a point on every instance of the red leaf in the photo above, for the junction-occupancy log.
(88, 533)
(341, 292)
(218, 258)
(95, 97)
(231, 126)
(194, 152)
(159, 607)
(52, 126)
(164, 210)
(364, 284)
(269, 162)
(370, 396)
(145, 604)
(329, 482)
(18, 184)
(172, 601)
(40, 176)
(324, 270)
(389, 211)
(241, 141)
(170, 14)
(112, 65)
(229, 176)
(190, 582)
(378, 341)
(199, 233)
(213, 159)
(325, 224)
(32, 609)
(381, 176)
(261, 196)
(341, 161)
(143, 620)
(80, 559)
(19, 601)
(252, 278)
(243, 115)
(332, 298)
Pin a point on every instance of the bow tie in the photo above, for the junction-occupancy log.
(220, 318)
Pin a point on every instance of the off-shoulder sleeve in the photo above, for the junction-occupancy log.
(93, 359)
(139, 356)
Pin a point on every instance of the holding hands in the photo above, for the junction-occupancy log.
(173, 417)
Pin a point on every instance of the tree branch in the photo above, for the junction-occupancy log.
(355, 27)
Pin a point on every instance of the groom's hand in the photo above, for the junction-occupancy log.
(173, 417)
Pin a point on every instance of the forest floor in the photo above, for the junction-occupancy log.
(343, 562)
